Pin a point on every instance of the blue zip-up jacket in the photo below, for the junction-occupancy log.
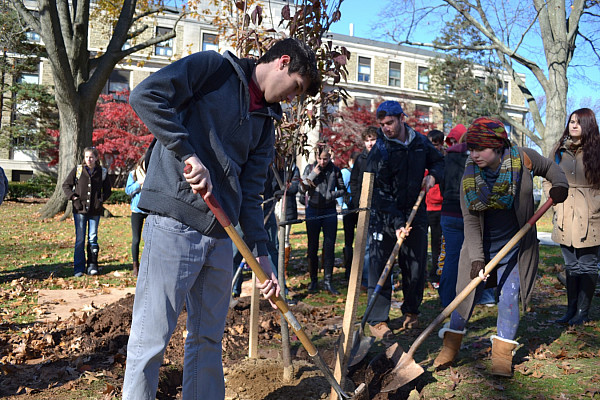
(234, 144)
(134, 189)
(399, 170)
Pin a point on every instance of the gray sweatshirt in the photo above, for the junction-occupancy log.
(235, 145)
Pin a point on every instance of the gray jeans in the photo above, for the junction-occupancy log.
(179, 265)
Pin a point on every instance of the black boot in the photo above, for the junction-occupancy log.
(572, 284)
(314, 280)
(92, 259)
(327, 281)
(347, 261)
(587, 286)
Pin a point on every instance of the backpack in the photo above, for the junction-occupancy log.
(214, 81)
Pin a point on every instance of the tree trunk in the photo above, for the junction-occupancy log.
(75, 134)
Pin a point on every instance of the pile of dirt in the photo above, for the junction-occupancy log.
(47, 356)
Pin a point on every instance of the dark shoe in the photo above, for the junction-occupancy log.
(92, 252)
(313, 286)
(327, 285)
(572, 284)
(328, 280)
(136, 268)
(587, 286)
(562, 277)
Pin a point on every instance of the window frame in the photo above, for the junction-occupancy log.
(361, 76)
(166, 47)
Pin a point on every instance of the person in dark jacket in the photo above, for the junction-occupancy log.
(399, 160)
(88, 187)
(369, 137)
(323, 183)
(3, 185)
(433, 200)
(451, 219)
(227, 138)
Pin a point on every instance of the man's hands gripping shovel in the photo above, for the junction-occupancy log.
(361, 343)
(200, 182)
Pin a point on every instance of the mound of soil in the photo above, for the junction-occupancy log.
(49, 357)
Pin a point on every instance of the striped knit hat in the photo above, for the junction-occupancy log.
(487, 133)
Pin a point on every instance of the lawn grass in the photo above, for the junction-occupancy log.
(552, 362)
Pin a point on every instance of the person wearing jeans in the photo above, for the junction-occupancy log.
(496, 200)
(223, 137)
(88, 187)
(323, 183)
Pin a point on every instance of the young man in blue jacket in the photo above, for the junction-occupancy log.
(399, 160)
(227, 137)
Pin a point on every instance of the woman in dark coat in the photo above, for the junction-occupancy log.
(88, 187)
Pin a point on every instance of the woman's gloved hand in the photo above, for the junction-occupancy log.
(476, 266)
(558, 194)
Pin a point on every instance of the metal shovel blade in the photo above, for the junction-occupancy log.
(362, 345)
(405, 371)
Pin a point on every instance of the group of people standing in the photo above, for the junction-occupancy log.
(226, 138)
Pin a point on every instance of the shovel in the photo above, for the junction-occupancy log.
(407, 369)
(312, 351)
(362, 343)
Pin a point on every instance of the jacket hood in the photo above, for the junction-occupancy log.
(244, 67)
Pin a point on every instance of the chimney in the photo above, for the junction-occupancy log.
(351, 29)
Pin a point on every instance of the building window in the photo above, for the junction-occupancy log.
(395, 74)
(33, 37)
(503, 91)
(422, 113)
(163, 48)
(364, 69)
(210, 42)
(423, 79)
(363, 104)
(117, 82)
(29, 78)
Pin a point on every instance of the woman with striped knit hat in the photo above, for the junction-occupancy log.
(496, 200)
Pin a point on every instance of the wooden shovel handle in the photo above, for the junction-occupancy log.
(225, 222)
(475, 282)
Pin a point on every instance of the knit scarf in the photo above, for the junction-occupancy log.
(479, 196)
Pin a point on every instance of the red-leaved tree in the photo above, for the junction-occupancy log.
(119, 135)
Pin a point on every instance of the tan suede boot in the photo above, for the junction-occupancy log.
(502, 354)
(452, 340)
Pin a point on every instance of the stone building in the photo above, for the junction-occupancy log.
(377, 70)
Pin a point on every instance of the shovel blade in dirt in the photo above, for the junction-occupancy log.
(362, 345)
(405, 371)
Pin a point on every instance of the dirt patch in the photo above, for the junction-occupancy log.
(61, 304)
(48, 358)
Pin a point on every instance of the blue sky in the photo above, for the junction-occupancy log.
(364, 16)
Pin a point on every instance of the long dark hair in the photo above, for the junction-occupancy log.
(590, 144)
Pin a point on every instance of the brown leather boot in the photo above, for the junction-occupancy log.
(136, 268)
(502, 354)
(452, 340)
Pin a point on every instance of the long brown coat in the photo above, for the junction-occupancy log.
(472, 249)
(577, 220)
